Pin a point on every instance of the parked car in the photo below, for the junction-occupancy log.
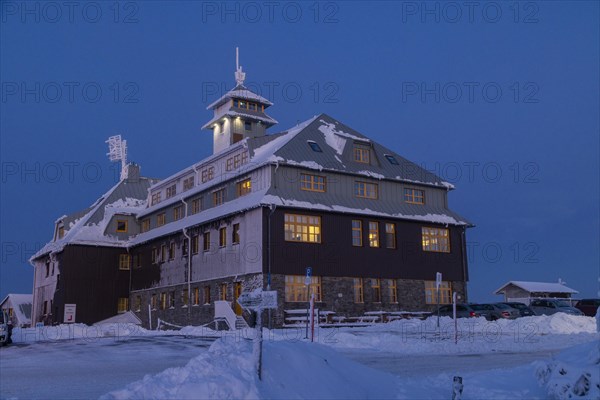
(588, 307)
(462, 311)
(492, 312)
(552, 306)
(524, 310)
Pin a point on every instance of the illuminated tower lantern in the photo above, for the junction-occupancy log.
(238, 114)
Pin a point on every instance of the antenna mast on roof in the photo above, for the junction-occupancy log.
(117, 151)
(240, 75)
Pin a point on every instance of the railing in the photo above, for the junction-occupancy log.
(223, 310)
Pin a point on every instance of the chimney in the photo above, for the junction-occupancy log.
(133, 172)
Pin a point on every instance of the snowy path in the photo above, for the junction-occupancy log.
(79, 369)
(426, 365)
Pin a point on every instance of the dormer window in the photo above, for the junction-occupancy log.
(361, 155)
(171, 191)
(391, 159)
(315, 146)
(121, 225)
(60, 232)
(155, 198)
(188, 183)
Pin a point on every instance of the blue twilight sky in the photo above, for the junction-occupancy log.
(499, 98)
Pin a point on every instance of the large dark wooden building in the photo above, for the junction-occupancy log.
(374, 227)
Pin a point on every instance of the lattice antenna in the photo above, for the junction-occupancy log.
(117, 151)
(240, 75)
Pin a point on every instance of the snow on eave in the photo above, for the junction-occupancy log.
(245, 93)
(433, 218)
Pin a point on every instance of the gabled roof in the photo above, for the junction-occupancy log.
(128, 197)
(240, 92)
(538, 287)
(21, 305)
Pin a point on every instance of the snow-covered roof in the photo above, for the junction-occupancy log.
(538, 287)
(128, 197)
(240, 92)
(21, 305)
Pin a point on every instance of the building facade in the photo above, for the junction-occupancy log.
(374, 227)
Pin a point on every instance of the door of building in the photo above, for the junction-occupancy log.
(237, 291)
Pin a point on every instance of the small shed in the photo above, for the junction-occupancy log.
(18, 308)
(523, 291)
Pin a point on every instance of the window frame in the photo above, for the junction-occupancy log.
(206, 241)
(295, 290)
(223, 237)
(124, 262)
(235, 234)
(393, 290)
(365, 190)
(177, 213)
(314, 146)
(145, 225)
(431, 292)
(358, 230)
(390, 237)
(171, 191)
(376, 287)
(374, 239)
(244, 187)
(125, 222)
(197, 205)
(309, 183)
(361, 155)
(122, 305)
(295, 222)
(189, 183)
(218, 197)
(161, 219)
(435, 240)
(414, 196)
(359, 290)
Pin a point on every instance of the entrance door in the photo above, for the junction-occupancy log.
(237, 291)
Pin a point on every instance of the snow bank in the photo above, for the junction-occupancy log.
(224, 372)
(574, 373)
(291, 370)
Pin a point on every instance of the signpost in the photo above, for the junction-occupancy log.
(454, 316)
(438, 283)
(307, 282)
(257, 301)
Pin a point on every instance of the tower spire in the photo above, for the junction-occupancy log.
(240, 75)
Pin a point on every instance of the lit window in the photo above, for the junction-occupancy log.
(436, 240)
(358, 291)
(219, 197)
(196, 296)
(195, 244)
(312, 183)
(124, 261)
(361, 155)
(392, 287)
(356, 232)
(123, 305)
(376, 286)
(391, 159)
(390, 236)
(160, 219)
(222, 237)
(163, 301)
(223, 292)
(208, 174)
(206, 241)
(197, 205)
(121, 225)
(188, 183)
(206, 294)
(171, 191)
(155, 198)
(431, 292)
(373, 234)
(414, 196)
(314, 146)
(366, 190)
(302, 228)
(146, 225)
(296, 290)
(177, 213)
(235, 234)
(244, 187)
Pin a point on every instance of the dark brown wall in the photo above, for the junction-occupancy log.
(336, 256)
(90, 277)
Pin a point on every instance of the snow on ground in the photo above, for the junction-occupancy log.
(401, 359)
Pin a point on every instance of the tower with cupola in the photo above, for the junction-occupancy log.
(238, 114)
